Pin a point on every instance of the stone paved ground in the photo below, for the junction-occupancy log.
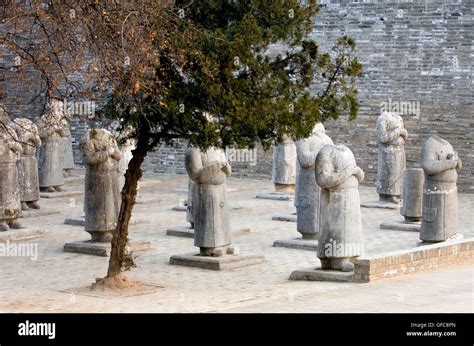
(47, 284)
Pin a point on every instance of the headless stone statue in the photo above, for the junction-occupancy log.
(189, 206)
(102, 195)
(307, 191)
(340, 220)
(10, 148)
(412, 194)
(51, 131)
(27, 164)
(67, 157)
(284, 166)
(440, 198)
(209, 171)
(391, 137)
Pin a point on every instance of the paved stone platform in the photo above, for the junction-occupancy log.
(265, 287)
(88, 247)
(38, 212)
(380, 205)
(285, 217)
(216, 263)
(401, 225)
(318, 274)
(61, 194)
(81, 221)
(21, 234)
(298, 244)
(276, 196)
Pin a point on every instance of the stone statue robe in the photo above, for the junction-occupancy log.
(440, 198)
(27, 163)
(307, 191)
(65, 145)
(209, 171)
(50, 168)
(391, 157)
(284, 162)
(189, 206)
(102, 195)
(340, 219)
(10, 148)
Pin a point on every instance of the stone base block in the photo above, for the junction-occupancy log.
(297, 243)
(60, 194)
(21, 234)
(38, 212)
(102, 249)
(276, 196)
(180, 208)
(216, 263)
(81, 221)
(318, 274)
(187, 232)
(284, 217)
(380, 205)
(400, 225)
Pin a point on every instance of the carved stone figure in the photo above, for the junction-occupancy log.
(51, 131)
(209, 171)
(10, 148)
(102, 196)
(340, 220)
(391, 137)
(412, 194)
(189, 206)
(441, 165)
(307, 191)
(27, 164)
(67, 156)
(284, 166)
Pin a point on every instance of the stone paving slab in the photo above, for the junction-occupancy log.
(318, 274)
(187, 232)
(227, 262)
(81, 221)
(276, 196)
(380, 205)
(401, 225)
(21, 234)
(60, 194)
(285, 217)
(34, 213)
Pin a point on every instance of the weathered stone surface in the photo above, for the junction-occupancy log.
(307, 191)
(276, 196)
(10, 204)
(298, 244)
(284, 166)
(101, 192)
(180, 208)
(102, 249)
(67, 156)
(27, 164)
(412, 194)
(61, 194)
(318, 274)
(285, 217)
(187, 232)
(51, 130)
(21, 234)
(340, 221)
(391, 137)
(440, 198)
(400, 225)
(189, 203)
(33, 213)
(216, 263)
(209, 170)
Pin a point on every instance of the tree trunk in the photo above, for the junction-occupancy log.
(129, 193)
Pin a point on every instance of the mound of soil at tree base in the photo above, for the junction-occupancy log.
(119, 283)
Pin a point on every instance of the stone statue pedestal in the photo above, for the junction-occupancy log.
(81, 221)
(276, 196)
(61, 194)
(21, 234)
(226, 262)
(380, 205)
(188, 232)
(400, 225)
(285, 217)
(89, 247)
(297, 243)
(180, 208)
(318, 274)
